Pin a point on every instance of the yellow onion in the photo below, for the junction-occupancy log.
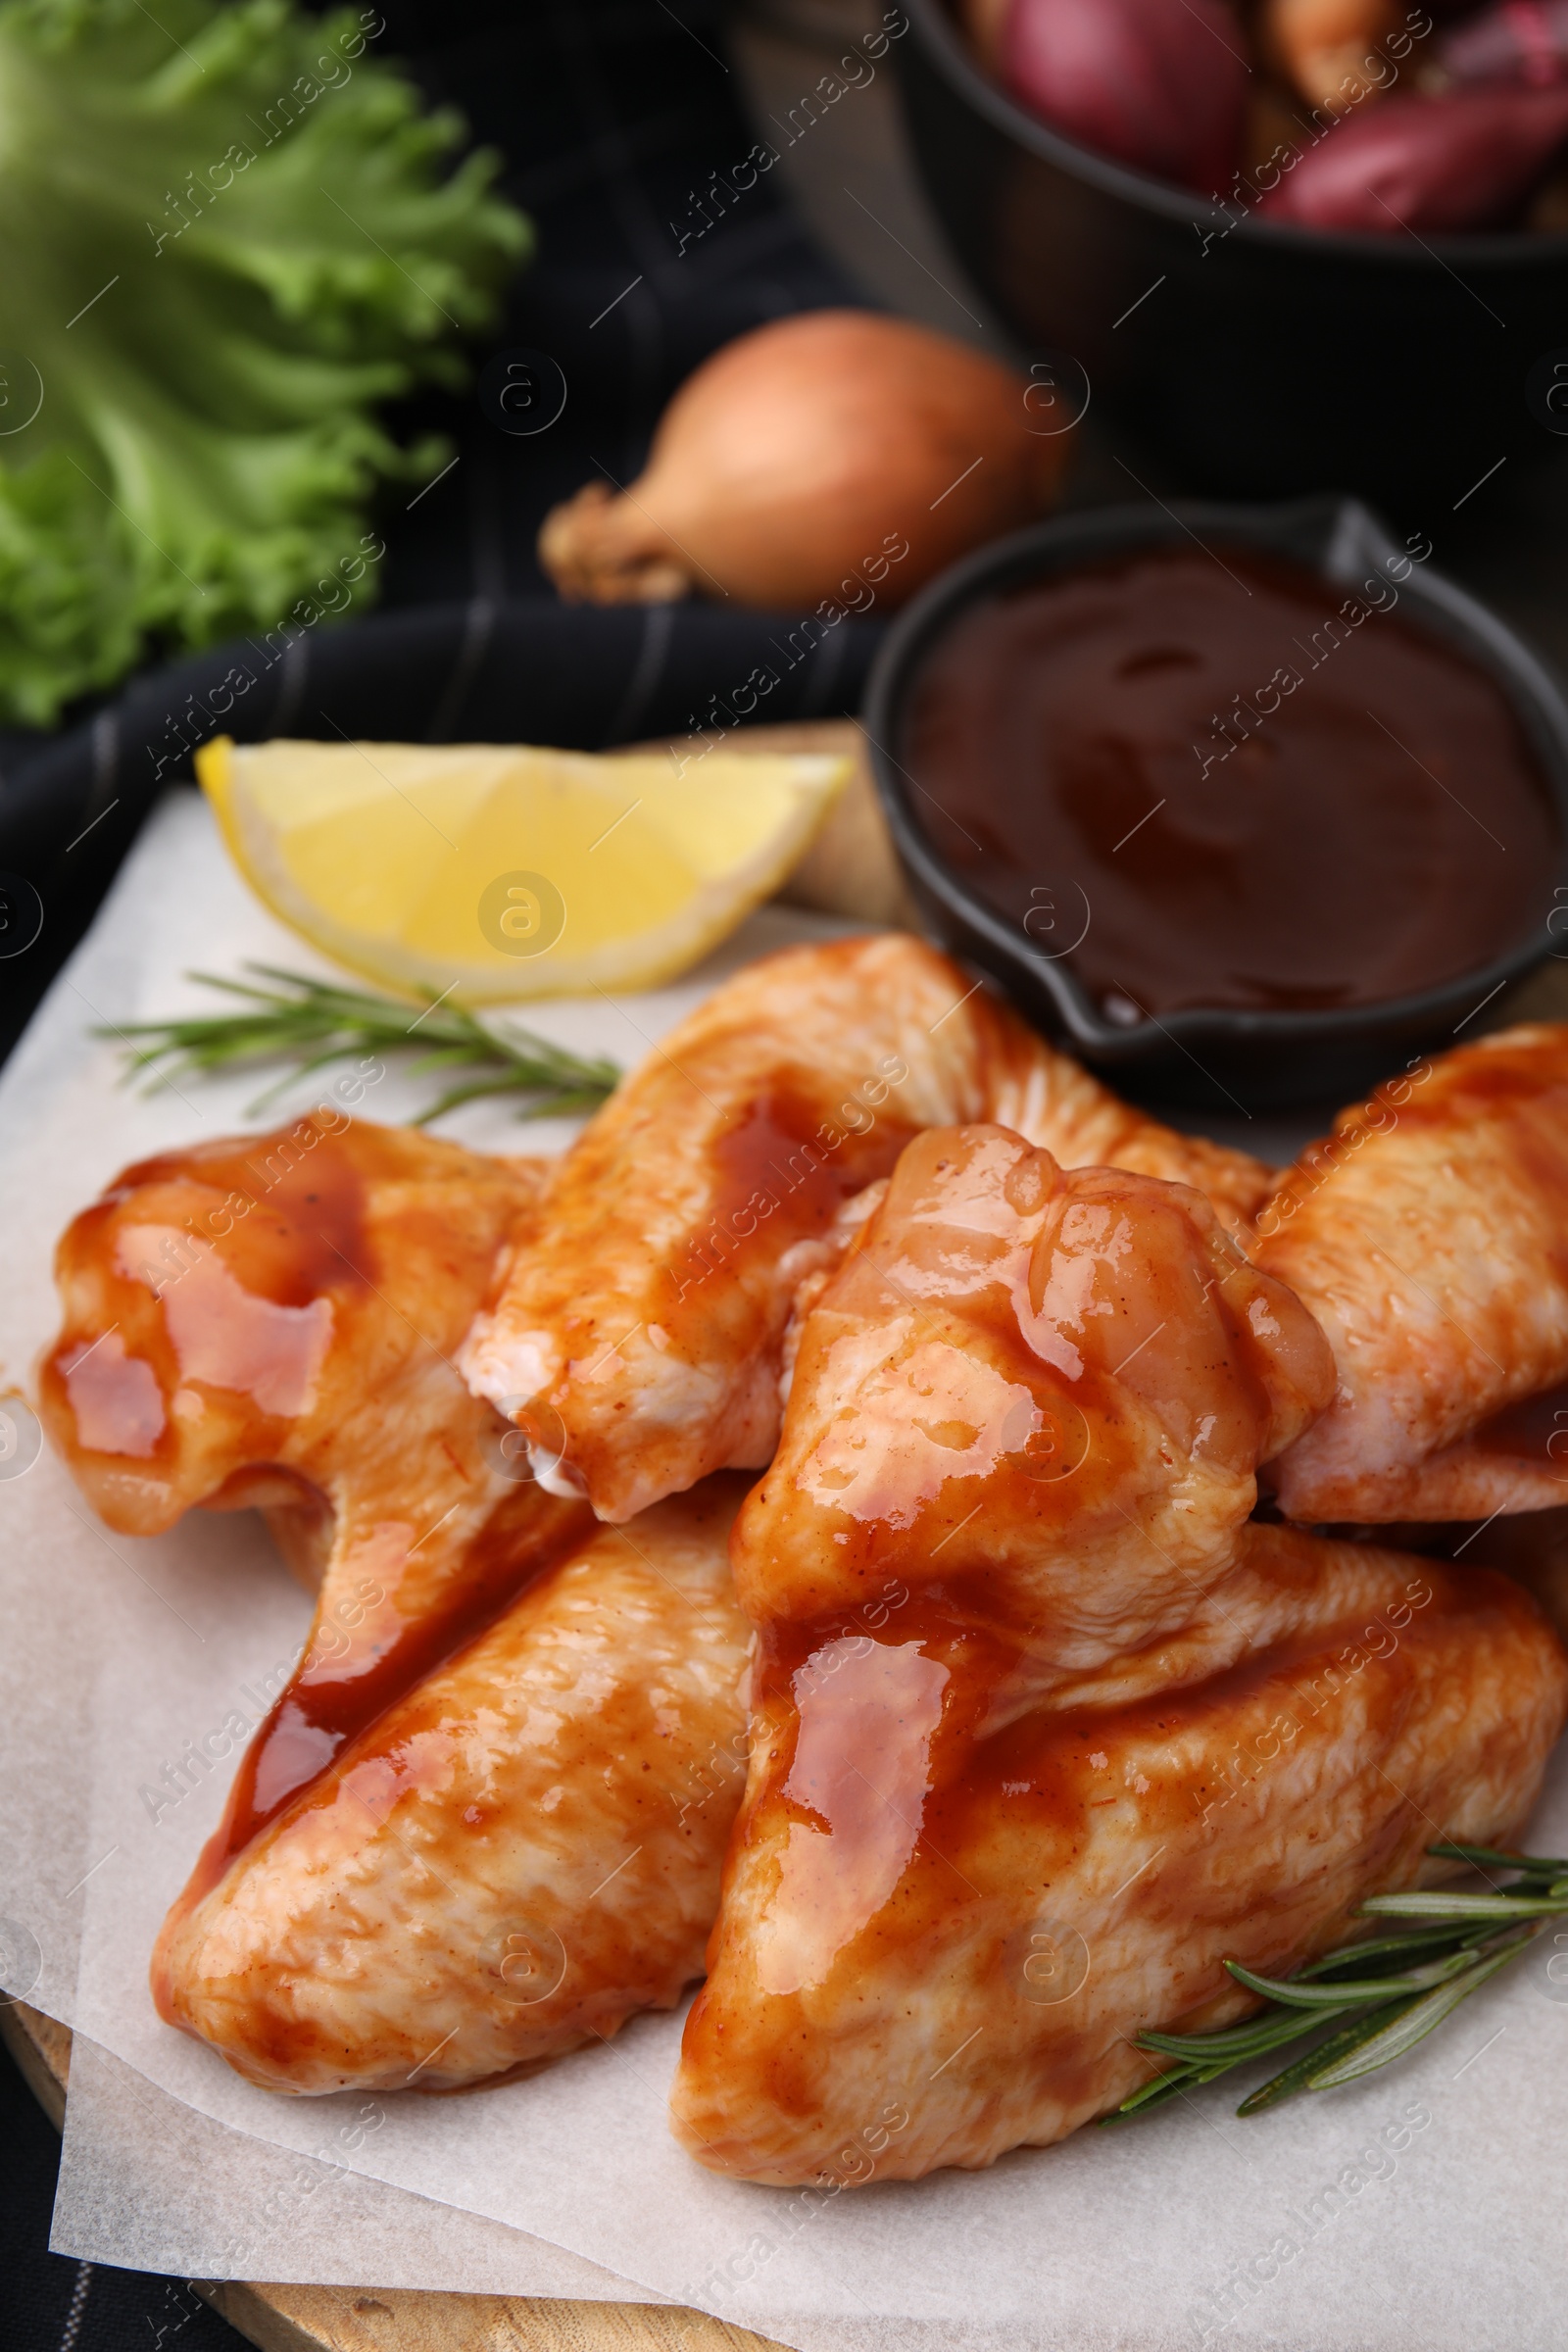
(1331, 48)
(827, 447)
(985, 22)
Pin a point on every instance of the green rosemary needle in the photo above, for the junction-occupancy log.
(309, 1023)
(1380, 1996)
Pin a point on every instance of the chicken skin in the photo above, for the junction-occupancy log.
(521, 1853)
(1428, 1237)
(645, 1329)
(271, 1321)
(1043, 1730)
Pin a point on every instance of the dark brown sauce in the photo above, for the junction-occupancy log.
(1121, 743)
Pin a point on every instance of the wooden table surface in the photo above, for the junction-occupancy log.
(394, 2319)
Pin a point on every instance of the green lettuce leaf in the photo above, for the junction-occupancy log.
(230, 233)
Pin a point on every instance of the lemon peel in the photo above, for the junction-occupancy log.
(495, 873)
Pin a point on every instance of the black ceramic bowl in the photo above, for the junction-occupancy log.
(1259, 360)
(1211, 1060)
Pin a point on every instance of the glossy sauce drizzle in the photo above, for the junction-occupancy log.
(330, 1703)
(254, 1276)
(218, 1265)
(788, 1161)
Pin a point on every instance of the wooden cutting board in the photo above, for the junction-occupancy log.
(394, 2319)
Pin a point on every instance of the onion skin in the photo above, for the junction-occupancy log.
(1324, 46)
(795, 462)
(1521, 41)
(1464, 161)
(984, 21)
(1159, 84)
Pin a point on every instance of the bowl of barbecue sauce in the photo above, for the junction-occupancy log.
(1243, 805)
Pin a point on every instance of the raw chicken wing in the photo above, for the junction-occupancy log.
(271, 1320)
(520, 1854)
(644, 1329)
(1043, 1731)
(1429, 1236)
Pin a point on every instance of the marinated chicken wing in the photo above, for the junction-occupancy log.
(1531, 1546)
(1429, 1236)
(521, 1853)
(644, 1329)
(271, 1320)
(1041, 1731)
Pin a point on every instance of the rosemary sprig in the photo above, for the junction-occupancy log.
(309, 1023)
(1380, 1996)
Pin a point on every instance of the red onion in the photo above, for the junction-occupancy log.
(1156, 83)
(1521, 41)
(1464, 161)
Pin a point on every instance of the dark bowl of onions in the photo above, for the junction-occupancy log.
(1246, 806)
(1281, 265)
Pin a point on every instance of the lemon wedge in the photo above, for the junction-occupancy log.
(498, 872)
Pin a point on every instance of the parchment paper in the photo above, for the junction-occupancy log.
(1422, 2209)
(295, 2215)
